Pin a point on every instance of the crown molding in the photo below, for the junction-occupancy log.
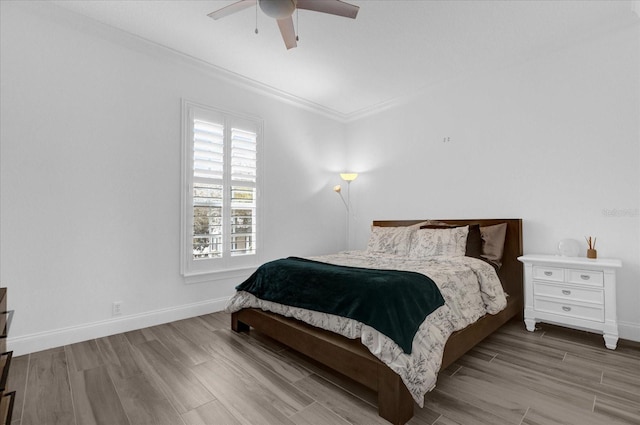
(549, 50)
(71, 19)
(88, 25)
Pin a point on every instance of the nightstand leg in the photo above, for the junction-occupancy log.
(610, 341)
(530, 324)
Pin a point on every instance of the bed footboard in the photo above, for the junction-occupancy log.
(346, 356)
(395, 404)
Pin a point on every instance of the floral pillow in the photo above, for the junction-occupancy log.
(450, 242)
(390, 240)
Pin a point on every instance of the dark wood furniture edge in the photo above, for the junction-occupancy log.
(6, 406)
(5, 323)
(6, 364)
(7, 399)
(5, 319)
(352, 359)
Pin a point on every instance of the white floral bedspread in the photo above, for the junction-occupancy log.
(470, 288)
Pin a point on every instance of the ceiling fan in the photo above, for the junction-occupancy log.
(282, 11)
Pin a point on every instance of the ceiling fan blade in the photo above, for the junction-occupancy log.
(332, 7)
(232, 8)
(288, 32)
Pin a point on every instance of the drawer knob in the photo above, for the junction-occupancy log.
(566, 292)
(585, 277)
(566, 308)
(548, 273)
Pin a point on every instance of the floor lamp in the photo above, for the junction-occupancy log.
(348, 177)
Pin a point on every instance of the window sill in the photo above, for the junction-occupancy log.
(202, 277)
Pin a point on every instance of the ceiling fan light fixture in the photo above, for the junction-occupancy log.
(277, 9)
(281, 11)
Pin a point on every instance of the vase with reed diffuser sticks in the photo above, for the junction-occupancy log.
(591, 250)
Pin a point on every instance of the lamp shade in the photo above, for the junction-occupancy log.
(348, 177)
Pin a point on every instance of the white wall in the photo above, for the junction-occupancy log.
(554, 141)
(90, 178)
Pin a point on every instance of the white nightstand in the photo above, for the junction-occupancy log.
(573, 291)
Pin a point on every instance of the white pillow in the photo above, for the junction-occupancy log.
(439, 242)
(390, 240)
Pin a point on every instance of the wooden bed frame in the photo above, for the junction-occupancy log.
(352, 359)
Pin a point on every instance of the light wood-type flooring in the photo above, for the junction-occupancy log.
(197, 371)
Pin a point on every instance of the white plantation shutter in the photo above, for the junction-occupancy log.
(208, 150)
(208, 189)
(243, 155)
(243, 191)
(220, 169)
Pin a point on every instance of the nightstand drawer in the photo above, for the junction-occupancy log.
(570, 310)
(553, 274)
(585, 277)
(568, 293)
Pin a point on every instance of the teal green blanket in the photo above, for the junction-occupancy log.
(393, 302)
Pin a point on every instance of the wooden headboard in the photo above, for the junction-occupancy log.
(511, 272)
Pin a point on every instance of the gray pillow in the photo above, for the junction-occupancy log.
(493, 242)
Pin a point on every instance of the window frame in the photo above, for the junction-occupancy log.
(190, 267)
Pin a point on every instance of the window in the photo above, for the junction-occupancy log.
(220, 226)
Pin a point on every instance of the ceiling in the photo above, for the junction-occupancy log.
(346, 67)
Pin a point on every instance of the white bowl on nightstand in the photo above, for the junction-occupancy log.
(568, 248)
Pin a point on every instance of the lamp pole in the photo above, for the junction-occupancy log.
(348, 177)
(348, 213)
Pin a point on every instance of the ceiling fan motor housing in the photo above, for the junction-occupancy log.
(277, 9)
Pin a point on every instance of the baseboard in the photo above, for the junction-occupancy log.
(44, 340)
(629, 331)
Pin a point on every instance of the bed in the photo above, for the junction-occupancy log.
(353, 359)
